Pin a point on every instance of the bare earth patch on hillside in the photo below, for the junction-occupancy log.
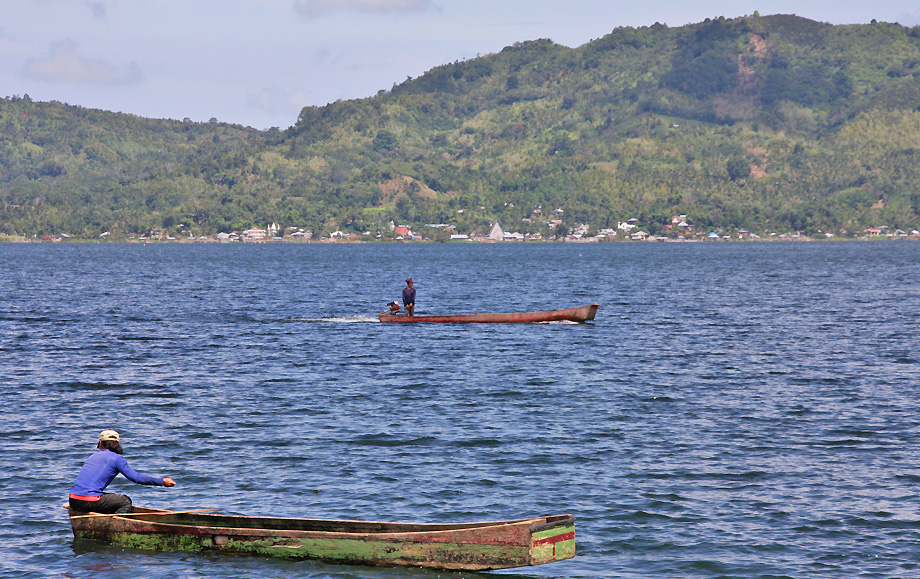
(404, 184)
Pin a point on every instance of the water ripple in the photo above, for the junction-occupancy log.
(736, 410)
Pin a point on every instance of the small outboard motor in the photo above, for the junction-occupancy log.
(393, 308)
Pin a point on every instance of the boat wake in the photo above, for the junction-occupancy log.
(340, 320)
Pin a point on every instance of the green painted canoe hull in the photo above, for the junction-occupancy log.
(462, 546)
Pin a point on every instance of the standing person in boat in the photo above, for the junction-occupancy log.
(100, 469)
(409, 298)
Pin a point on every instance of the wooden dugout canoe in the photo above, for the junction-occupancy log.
(582, 314)
(462, 546)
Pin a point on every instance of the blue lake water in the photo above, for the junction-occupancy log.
(735, 410)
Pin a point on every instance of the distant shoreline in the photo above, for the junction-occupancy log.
(800, 239)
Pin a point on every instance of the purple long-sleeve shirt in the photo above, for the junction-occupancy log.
(408, 295)
(101, 468)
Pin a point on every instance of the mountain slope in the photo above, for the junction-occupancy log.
(772, 123)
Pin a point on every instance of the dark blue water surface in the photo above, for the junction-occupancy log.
(736, 410)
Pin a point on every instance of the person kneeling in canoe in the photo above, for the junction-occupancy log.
(100, 469)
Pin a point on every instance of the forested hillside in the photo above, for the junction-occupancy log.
(770, 124)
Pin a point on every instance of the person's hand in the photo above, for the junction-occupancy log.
(168, 482)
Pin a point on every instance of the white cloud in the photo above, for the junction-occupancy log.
(274, 100)
(317, 8)
(97, 8)
(63, 64)
(909, 18)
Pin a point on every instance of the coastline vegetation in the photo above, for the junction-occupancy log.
(773, 124)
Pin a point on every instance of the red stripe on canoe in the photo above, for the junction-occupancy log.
(555, 539)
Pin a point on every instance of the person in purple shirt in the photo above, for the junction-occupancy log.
(99, 470)
(409, 298)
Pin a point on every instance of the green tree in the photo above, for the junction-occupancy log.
(385, 142)
(738, 169)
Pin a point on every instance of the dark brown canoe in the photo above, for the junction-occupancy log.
(582, 314)
(464, 546)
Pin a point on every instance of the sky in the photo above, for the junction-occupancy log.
(259, 62)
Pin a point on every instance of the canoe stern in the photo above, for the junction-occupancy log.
(553, 541)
